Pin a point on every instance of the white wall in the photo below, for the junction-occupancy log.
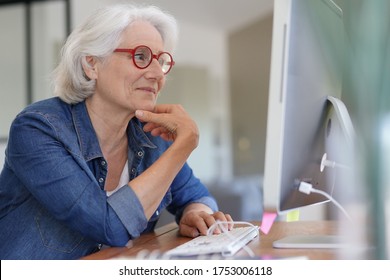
(2, 156)
(48, 36)
(48, 31)
(12, 63)
(196, 46)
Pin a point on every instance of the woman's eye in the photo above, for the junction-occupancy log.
(140, 56)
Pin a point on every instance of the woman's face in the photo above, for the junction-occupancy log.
(119, 83)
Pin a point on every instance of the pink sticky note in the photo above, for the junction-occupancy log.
(267, 221)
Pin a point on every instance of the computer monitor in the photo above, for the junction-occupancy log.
(309, 132)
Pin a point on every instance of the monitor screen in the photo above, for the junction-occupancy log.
(308, 130)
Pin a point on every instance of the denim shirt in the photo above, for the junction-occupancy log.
(52, 199)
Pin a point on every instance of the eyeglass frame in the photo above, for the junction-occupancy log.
(156, 56)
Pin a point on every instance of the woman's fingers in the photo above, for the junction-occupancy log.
(170, 122)
(198, 222)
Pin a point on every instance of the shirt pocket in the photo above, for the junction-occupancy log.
(55, 235)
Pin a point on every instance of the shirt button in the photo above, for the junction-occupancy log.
(140, 153)
(157, 213)
(133, 170)
(103, 163)
(101, 180)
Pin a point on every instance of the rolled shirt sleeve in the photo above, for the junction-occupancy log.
(125, 201)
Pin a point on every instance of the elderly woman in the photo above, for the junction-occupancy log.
(97, 164)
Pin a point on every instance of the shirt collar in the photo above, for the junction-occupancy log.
(135, 132)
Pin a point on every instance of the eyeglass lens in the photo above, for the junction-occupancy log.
(143, 57)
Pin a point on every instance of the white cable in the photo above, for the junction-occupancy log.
(307, 188)
(219, 224)
(223, 227)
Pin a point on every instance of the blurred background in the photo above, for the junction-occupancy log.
(221, 77)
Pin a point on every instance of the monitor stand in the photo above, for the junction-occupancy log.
(343, 119)
(345, 132)
(310, 241)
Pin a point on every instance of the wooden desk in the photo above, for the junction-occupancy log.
(167, 237)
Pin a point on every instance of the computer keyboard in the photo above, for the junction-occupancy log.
(226, 243)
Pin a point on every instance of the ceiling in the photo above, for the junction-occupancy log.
(225, 15)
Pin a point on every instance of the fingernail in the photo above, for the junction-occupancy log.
(139, 113)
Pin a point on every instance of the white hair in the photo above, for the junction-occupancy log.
(98, 36)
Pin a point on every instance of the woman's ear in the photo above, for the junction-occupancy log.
(89, 67)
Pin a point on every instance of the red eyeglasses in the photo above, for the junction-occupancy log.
(142, 57)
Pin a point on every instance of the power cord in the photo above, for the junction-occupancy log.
(307, 188)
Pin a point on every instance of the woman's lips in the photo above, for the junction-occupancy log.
(148, 89)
